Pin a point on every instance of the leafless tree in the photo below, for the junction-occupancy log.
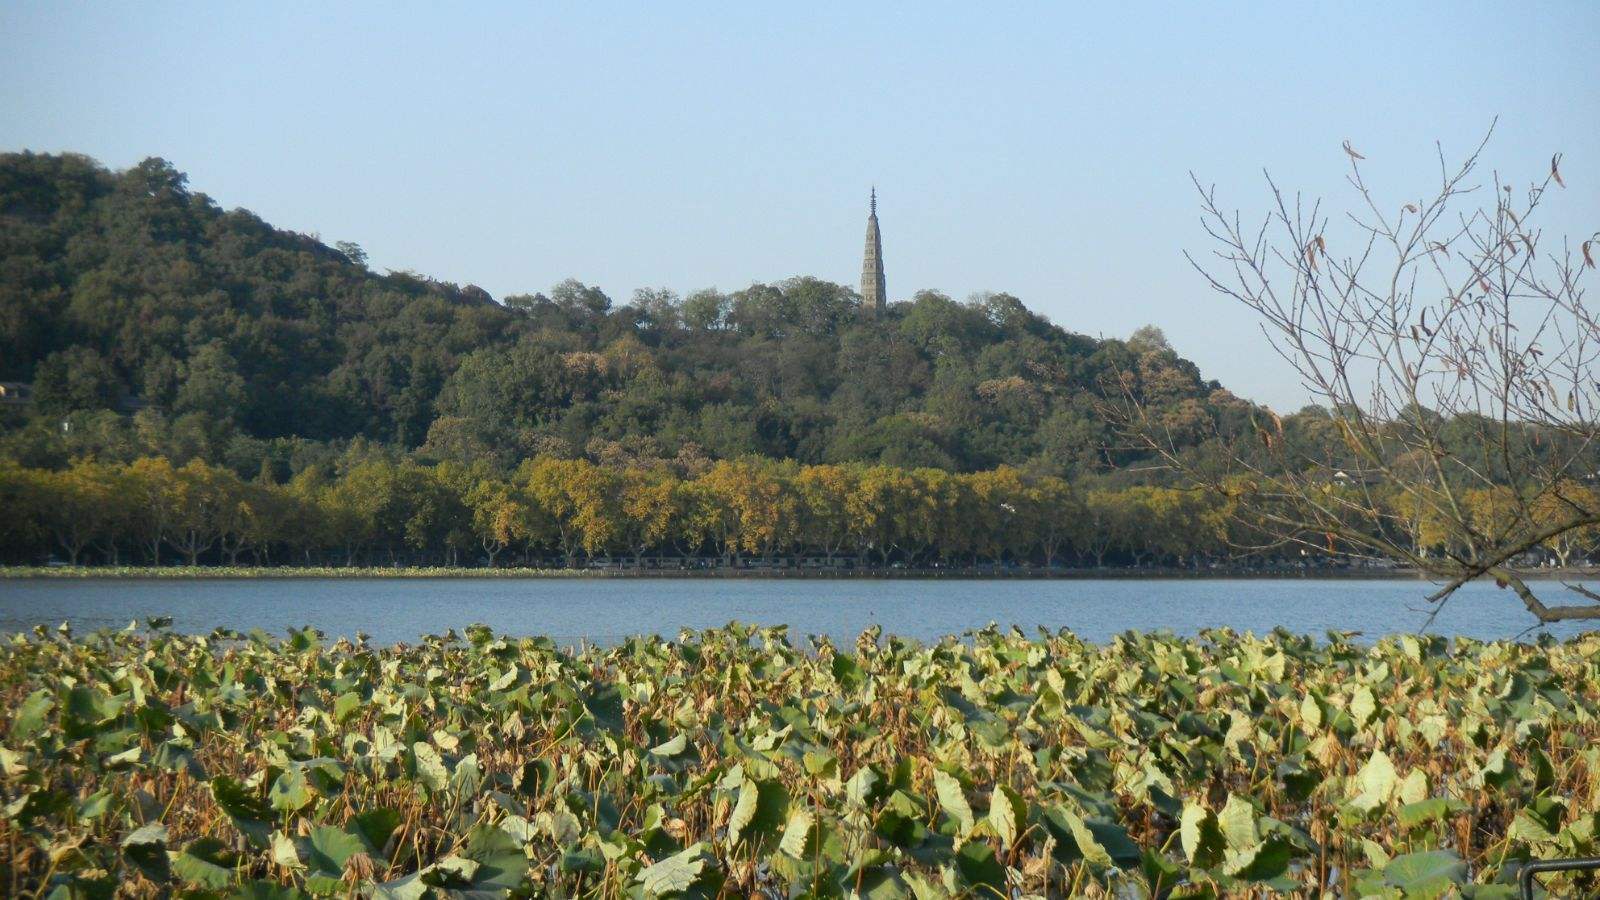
(1449, 339)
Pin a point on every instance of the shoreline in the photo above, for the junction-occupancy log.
(381, 573)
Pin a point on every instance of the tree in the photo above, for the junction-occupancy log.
(272, 515)
(127, 287)
(352, 251)
(1556, 507)
(756, 511)
(152, 484)
(499, 515)
(824, 493)
(881, 508)
(1454, 352)
(24, 496)
(1099, 530)
(211, 384)
(576, 496)
(647, 500)
(656, 309)
(705, 310)
(1053, 509)
(1003, 523)
(200, 494)
(75, 378)
(74, 503)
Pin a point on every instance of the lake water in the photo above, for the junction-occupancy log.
(604, 610)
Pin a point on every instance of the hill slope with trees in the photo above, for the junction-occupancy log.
(150, 321)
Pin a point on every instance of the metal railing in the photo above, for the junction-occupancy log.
(1539, 866)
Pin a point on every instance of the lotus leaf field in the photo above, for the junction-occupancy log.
(740, 762)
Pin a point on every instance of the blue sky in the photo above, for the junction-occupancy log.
(1042, 150)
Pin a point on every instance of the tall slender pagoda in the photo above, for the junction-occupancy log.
(874, 297)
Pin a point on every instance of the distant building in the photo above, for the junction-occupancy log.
(874, 297)
(15, 393)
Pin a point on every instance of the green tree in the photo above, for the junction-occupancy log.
(75, 504)
(72, 379)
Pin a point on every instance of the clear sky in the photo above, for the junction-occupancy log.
(1041, 150)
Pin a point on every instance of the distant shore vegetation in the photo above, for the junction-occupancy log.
(571, 514)
(565, 513)
(184, 383)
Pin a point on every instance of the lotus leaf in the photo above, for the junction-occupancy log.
(729, 760)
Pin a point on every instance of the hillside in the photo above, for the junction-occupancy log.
(157, 322)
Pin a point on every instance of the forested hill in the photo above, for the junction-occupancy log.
(155, 322)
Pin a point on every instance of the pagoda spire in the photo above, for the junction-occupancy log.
(874, 296)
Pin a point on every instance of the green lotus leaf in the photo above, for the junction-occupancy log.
(980, 870)
(373, 827)
(410, 887)
(146, 848)
(536, 777)
(430, 768)
(740, 742)
(1201, 836)
(900, 829)
(1238, 823)
(36, 805)
(346, 707)
(1263, 861)
(266, 890)
(1075, 840)
(244, 809)
(206, 863)
(1426, 875)
(875, 882)
(672, 747)
(95, 805)
(1375, 783)
(290, 792)
(676, 873)
(1414, 788)
(799, 833)
(761, 810)
(1425, 812)
(502, 864)
(285, 852)
(30, 716)
(846, 671)
(1160, 874)
(866, 788)
(604, 705)
(327, 849)
(1539, 821)
(1008, 815)
(583, 859)
(953, 799)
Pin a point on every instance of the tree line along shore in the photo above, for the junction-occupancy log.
(713, 569)
(747, 516)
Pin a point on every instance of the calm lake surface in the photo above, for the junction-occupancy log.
(603, 610)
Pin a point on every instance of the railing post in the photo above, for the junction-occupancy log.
(1535, 867)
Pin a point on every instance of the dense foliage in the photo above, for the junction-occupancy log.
(556, 512)
(732, 762)
(243, 345)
